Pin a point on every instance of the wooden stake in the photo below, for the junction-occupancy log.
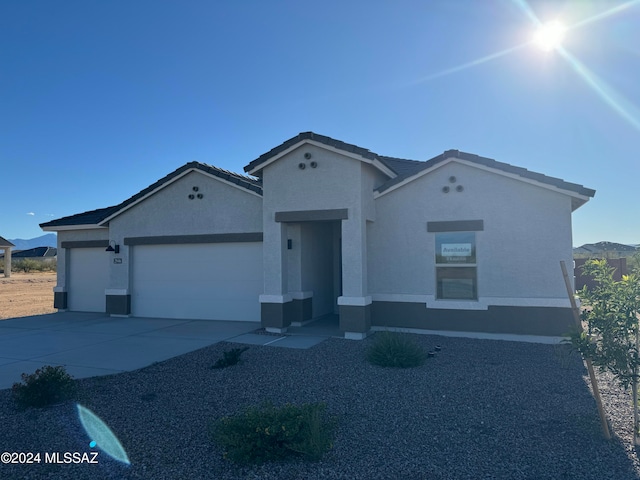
(592, 375)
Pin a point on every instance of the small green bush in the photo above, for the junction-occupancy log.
(48, 385)
(390, 349)
(230, 357)
(25, 265)
(266, 433)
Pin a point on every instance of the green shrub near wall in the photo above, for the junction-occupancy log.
(390, 349)
(267, 432)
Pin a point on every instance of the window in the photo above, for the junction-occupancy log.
(456, 273)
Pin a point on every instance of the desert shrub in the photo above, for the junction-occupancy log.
(267, 432)
(390, 349)
(25, 265)
(46, 386)
(230, 357)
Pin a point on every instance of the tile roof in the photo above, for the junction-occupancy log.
(400, 165)
(488, 162)
(5, 243)
(94, 217)
(407, 168)
(37, 252)
(403, 168)
(331, 142)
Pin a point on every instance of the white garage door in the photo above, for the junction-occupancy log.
(219, 281)
(88, 279)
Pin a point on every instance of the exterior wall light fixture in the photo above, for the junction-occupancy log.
(115, 248)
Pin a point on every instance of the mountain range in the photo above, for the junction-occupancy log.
(603, 248)
(48, 240)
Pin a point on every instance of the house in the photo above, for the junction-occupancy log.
(42, 254)
(322, 227)
(605, 250)
(6, 246)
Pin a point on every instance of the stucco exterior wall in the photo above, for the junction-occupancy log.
(223, 209)
(527, 231)
(334, 184)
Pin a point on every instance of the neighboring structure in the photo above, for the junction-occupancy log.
(458, 243)
(6, 245)
(605, 250)
(38, 253)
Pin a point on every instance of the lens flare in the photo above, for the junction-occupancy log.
(102, 435)
(549, 36)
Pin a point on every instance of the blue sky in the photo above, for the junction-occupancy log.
(99, 99)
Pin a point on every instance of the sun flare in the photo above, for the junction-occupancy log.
(550, 36)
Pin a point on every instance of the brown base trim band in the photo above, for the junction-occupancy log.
(355, 319)
(313, 215)
(85, 244)
(179, 239)
(276, 315)
(543, 321)
(119, 304)
(60, 300)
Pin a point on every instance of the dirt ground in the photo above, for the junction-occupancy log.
(25, 294)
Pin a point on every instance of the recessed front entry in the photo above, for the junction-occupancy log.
(321, 265)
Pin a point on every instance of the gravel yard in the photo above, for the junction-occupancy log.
(480, 409)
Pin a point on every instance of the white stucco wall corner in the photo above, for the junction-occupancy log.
(275, 298)
(355, 335)
(355, 301)
(116, 291)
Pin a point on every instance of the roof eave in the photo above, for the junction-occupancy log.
(375, 162)
(62, 228)
(578, 199)
(126, 206)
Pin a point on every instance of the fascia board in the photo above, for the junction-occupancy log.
(63, 228)
(376, 163)
(513, 176)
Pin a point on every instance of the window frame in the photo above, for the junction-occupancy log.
(469, 263)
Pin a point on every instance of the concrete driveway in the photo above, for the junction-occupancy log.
(93, 344)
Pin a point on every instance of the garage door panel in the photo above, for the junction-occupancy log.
(199, 281)
(88, 279)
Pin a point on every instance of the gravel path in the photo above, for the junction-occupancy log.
(480, 409)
